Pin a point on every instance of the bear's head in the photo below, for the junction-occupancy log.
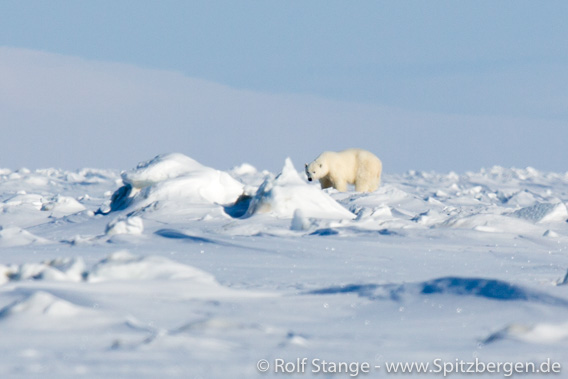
(316, 170)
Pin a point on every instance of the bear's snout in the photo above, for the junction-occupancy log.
(309, 179)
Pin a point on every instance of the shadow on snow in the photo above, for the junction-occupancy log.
(485, 288)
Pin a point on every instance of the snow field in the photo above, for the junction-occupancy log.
(180, 270)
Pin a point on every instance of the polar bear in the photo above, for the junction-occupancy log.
(352, 166)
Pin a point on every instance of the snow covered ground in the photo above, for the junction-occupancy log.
(174, 269)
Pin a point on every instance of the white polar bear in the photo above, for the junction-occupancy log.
(352, 166)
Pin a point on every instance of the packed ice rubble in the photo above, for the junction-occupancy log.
(31, 198)
(181, 182)
(60, 269)
(497, 200)
(543, 212)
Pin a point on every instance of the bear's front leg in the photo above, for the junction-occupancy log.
(325, 183)
(340, 185)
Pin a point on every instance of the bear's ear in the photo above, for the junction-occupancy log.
(305, 165)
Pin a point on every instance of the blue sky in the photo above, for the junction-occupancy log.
(429, 85)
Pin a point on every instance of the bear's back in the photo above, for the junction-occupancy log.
(349, 158)
(359, 154)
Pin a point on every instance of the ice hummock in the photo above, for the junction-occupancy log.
(288, 192)
(159, 169)
(174, 178)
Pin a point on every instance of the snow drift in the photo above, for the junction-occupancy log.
(41, 304)
(14, 236)
(126, 266)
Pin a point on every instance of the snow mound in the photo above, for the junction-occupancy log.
(521, 198)
(62, 206)
(125, 225)
(14, 236)
(60, 269)
(41, 303)
(209, 186)
(543, 212)
(542, 333)
(243, 169)
(299, 221)
(160, 168)
(429, 218)
(125, 266)
(121, 265)
(21, 201)
(488, 223)
(174, 178)
(286, 193)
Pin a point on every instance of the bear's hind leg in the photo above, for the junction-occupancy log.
(368, 177)
(362, 187)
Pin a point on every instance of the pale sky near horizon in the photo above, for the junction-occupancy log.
(427, 85)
